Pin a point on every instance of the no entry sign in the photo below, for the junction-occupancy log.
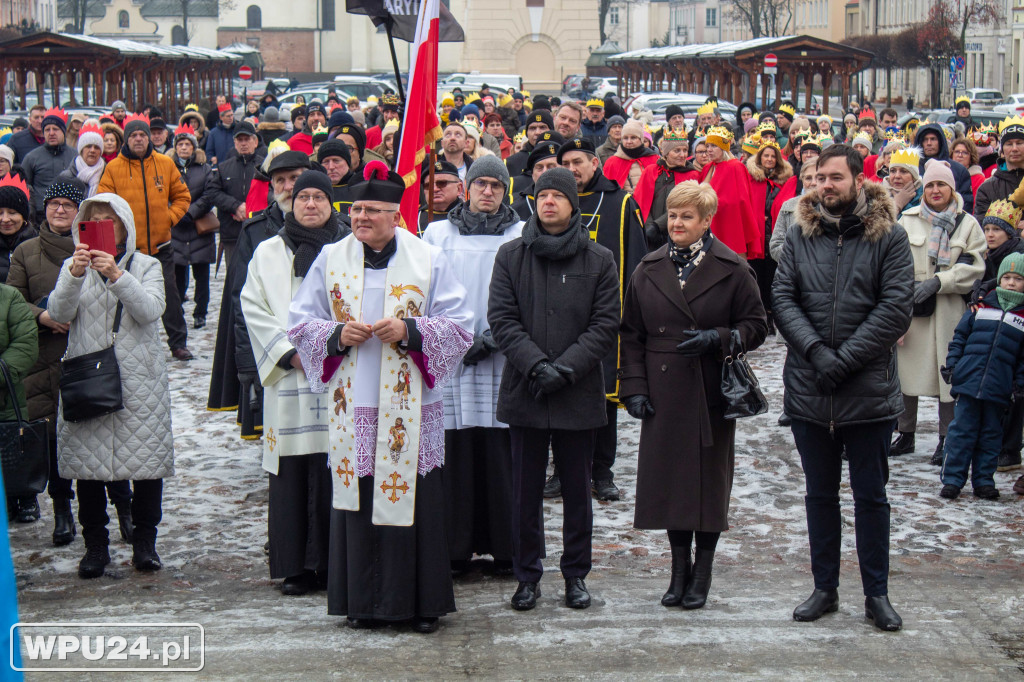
(770, 64)
(245, 73)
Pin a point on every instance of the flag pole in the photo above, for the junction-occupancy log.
(394, 60)
(430, 184)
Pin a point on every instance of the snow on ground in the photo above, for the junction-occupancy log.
(955, 568)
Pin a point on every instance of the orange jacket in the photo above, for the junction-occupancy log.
(154, 189)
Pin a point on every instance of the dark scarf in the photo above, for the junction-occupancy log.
(309, 242)
(638, 152)
(852, 216)
(687, 258)
(378, 260)
(555, 246)
(665, 169)
(489, 224)
(995, 256)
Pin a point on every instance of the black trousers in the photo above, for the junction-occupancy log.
(146, 510)
(477, 478)
(606, 439)
(764, 270)
(867, 448)
(299, 515)
(573, 452)
(174, 314)
(201, 273)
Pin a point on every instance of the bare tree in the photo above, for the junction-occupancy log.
(603, 7)
(764, 18)
(187, 7)
(80, 13)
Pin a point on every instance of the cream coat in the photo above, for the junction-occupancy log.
(924, 347)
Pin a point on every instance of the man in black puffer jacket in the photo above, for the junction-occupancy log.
(842, 296)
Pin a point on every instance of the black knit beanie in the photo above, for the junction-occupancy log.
(13, 198)
(561, 180)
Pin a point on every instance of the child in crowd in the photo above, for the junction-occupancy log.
(985, 366)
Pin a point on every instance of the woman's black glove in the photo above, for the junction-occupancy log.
(483, 346)
(548, 377)
(946, 373)
(699, 342)
(826, 364)
(639, 406)
(924, 290)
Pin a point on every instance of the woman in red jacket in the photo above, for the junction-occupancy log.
(628, 162)
(734, 221)
(768, 171)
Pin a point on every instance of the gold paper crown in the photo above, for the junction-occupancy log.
(788, 109)
(861, 137)
(520, 136)
(675, 135)
(721, 132)
(6, 130)
(320, 129)
(750, 145)
(907, 157)
(1010, 121)
(766, 125)
(1004, 210)
(191, 107)
(948, 132)
(962, 99)
(707, 108)
(988, 130)
(812, 140)
(800, 134)
(769, 143)
(595, 102)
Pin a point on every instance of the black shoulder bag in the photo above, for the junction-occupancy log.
(90, 384)
(740, 388)
(24, 449)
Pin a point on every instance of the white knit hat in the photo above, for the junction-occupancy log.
(7, 153)
(90, 134)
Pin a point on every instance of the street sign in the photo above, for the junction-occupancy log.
(957, 63)
(770, 70)
(957, 80)
(771, 61)
(245, 73)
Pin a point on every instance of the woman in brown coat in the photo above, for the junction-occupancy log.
(682, 303)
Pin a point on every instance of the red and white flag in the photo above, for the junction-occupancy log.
(420, 125)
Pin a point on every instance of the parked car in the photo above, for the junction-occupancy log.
(1013, 105)
(362, 87)
(984, 96)
(949, 116)
(474, 79)
(598, 87)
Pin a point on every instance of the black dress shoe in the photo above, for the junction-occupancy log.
(63, 522)
(605, 490)
(950, 492)
(359, 623)
(903, 445)
(95, 560)
(526, 596)
(144, 556)
(576, 594)
(295, 585)
(681, 564)
(940, 452)
(785, 420)
(817, 605)
(28, 509)
(986, 492)
(198, 321)
(425, 625)
(696, 593)
(879, 610)
(553, 487)
(1008, 461)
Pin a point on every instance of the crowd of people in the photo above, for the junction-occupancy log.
(570, 259)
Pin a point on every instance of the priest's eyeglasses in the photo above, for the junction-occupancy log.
(370, 212)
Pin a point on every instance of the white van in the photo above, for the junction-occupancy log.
(474, 79)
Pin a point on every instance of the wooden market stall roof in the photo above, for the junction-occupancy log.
(103, 70)
(730, 69)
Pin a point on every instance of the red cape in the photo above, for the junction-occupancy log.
(870, 170)
(758, 197)
(976, 181)
(616, 168)
(787, 192)
(734, 221)
(301, 142)
(374, 136)
(644, 192)
(257, 198)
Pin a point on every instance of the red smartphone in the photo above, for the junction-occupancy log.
(98, 235)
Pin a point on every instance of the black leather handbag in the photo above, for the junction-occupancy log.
(740, 388)
(90, 384)
(24, 449)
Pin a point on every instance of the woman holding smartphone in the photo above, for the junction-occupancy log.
(134, 443)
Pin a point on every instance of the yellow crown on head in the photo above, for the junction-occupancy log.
(1004, 210)
(787, 109)
(675, 135)
(721, 132)
(520, 136)
(769, 143)
(862, 138)
(1010, 121)
(766, 125)
(908, 157)
(595, 102)
(813, 140)
(191, 107)
(988, 130)
(6, 130)
(707, 108)
(962, 99)
(320, 129)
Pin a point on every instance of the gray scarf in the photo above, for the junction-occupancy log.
(943, 225)
(850, 216)
(555, 246)
(490, 224)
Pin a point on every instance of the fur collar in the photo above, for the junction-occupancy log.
(271, 125)
(877, 223)
(783, 171)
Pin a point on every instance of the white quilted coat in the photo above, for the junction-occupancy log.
(136, 442)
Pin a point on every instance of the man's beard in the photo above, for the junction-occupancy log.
(284, 201)
(838, 203)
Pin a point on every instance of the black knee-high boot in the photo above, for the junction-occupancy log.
(696, 594)
(681, 564)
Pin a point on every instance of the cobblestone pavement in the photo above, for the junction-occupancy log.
(955, 577)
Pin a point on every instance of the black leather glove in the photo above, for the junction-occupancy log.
(699, 342)
(187, 221)
(639, 406)
(826, 364)
(477, 352)
(924, 290)
(545, 379)
(567, 372)
(947, 374)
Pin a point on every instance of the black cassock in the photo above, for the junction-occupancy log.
(299, 515)
(391, 573)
